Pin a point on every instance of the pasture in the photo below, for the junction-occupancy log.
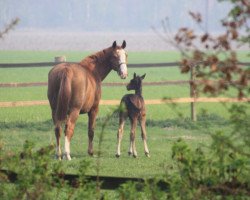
(165, 123)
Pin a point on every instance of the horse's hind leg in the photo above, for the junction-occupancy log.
(69, 131)
(58, 131)
(91, 127)
(122, 118)
(144, 135)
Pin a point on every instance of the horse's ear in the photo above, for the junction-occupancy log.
(134, 75)
(124, 44)
(114, 44)
(143, 76)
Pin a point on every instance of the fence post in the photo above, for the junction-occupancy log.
(193, 92)
(59, 59)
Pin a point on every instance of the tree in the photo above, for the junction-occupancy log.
(218, 53)
(221, 170)
(9, 27)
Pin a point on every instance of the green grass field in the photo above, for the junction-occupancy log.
(166, 123)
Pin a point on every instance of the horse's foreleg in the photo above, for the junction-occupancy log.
(144, 135)
(120, 134)
(69, 131)
(91, 127)
(132, 149)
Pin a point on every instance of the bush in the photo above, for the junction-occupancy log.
(39, 177)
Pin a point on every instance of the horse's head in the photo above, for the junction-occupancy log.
(119, 59)
(136, 82)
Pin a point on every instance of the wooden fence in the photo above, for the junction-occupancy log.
(191, 100)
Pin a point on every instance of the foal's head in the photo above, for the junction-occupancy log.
(119, 59)
(136, 83)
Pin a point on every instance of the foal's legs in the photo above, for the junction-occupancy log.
(122, 119)
(144, 135)
(91, 127)
(132, 149)
(69, 131)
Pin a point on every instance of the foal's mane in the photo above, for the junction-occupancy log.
(138, 90)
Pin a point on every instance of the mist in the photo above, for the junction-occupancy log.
(80, 22)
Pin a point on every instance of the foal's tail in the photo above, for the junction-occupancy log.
(64, 95)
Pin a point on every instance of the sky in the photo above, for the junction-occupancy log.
(110, 15)
(87, 25)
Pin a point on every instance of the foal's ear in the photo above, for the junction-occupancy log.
(134, 75)
(114, 44)
(143, 76)
(124, 44)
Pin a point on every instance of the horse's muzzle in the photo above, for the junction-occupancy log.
(123, 76)
(128, 87)
(123, 71)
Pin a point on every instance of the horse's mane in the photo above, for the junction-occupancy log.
(95, 58)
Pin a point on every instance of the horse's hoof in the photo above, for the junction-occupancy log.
(91, 154)
(147, 154)
(117, 155)
(135, 156)
(66, 157)
(58, 157)
(129, 153)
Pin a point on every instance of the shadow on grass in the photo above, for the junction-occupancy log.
(203, 121)
(29, 126)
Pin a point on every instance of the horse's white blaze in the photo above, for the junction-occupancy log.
(122, 63)
(124, 70)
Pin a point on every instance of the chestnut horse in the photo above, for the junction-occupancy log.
(76, 88)
(133, 106)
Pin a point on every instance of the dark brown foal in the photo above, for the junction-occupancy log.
(133, 106)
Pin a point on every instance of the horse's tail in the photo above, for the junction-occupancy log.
(64, 95)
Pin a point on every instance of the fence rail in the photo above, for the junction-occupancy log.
(142, 65)
(111, 84)
(147, 102)
(46, 64)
